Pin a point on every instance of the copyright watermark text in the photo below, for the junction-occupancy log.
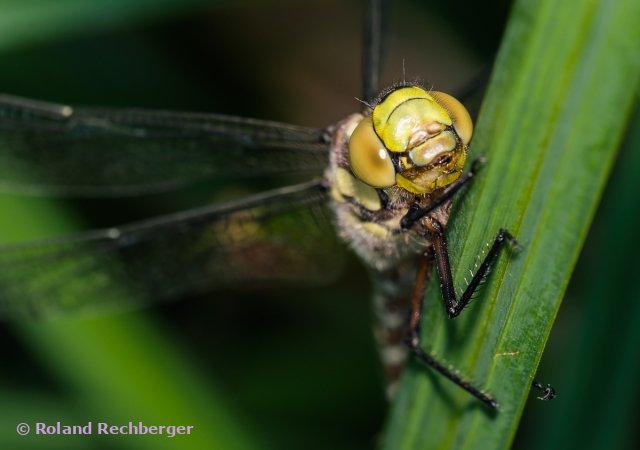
(103, 428)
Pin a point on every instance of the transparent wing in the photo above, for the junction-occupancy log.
(53, 149)
(274, 236)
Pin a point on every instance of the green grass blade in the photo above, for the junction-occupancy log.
(595, 347)
(565, 84)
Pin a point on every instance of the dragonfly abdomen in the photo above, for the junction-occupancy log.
(391, 294)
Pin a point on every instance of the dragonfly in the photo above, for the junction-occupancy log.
(385, 187)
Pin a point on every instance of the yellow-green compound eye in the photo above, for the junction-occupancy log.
(459, 115)
(407, 117)
(368, 157)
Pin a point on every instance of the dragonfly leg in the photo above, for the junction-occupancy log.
(454, 306)
(548, 392)
(413, 340)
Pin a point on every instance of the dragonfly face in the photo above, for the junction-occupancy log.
(413, 140)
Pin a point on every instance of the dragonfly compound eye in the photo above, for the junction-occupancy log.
(459, 115)
(368, 157)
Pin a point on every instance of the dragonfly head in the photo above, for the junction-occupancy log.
(413, 139)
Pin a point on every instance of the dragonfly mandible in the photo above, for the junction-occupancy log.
(48, 147)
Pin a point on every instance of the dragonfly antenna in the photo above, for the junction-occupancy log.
(404, 73)
(364, 103)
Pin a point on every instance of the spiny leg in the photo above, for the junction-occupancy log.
(454, 306)
(548, 392)
(413, 340)
(436, 234)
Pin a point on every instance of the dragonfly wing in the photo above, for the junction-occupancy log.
(53, 149)
(274, 236)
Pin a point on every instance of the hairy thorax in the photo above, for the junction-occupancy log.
(368, 219)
